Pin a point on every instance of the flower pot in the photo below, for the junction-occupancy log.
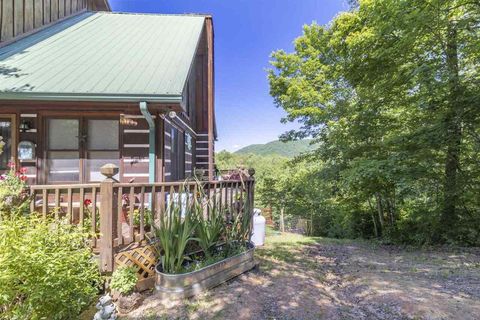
(178, 286)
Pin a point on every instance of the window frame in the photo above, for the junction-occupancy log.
(83, 149)
(13, 135)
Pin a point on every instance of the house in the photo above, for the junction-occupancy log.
(80, 88)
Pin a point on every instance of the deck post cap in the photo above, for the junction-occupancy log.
(109, 170)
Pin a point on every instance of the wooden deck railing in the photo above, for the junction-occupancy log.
(122, 214)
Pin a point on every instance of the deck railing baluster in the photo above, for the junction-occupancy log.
(94, 216)
(57, 203)
(70, 205)
(32, 200)
(44, 203)
(142, 213)
(119, 215)
(132, 209)
(81, 206)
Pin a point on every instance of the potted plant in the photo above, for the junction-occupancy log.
(122, 285)
(221, 238)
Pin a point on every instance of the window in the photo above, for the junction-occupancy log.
(6, 141)
(188, 143)
(78, 148)
(63, 150)
(177, 154)
(102, 147)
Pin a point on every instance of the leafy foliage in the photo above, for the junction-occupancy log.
(124, 280)
(47, 272)
(389, 90)
(13, 198)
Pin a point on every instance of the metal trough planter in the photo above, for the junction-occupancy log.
(185, 285)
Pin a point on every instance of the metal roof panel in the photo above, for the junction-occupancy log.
(103, 54)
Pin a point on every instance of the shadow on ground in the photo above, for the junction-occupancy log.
(317, 278)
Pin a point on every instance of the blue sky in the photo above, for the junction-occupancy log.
(246, 32)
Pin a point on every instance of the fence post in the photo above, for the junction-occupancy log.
(108, 217)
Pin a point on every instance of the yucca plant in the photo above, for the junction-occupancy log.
(210, 228)
(173, 231)
(238, 230)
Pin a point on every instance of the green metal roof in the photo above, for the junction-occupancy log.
(103, 56)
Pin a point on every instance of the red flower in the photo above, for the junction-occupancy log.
(23, 178)
(23, 170)
(87, 202)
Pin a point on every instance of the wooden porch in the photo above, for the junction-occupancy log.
(120, 215)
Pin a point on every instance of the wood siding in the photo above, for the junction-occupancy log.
(134, 140)
(20, 17)
(134, 165)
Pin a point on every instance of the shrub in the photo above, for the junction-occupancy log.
(124, 280)
(148, 218)
(47, 269)
(13, 197)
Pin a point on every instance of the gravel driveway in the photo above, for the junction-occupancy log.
(317, 278)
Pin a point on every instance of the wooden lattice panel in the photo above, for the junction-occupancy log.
(141, 258)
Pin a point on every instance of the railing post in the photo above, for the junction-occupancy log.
(108, 217)
(251, 198)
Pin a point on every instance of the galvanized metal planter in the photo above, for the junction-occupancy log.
(177, 286)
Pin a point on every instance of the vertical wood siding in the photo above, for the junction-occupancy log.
(18, 17)
(135, 151)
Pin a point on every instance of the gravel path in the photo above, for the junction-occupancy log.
(317, 278)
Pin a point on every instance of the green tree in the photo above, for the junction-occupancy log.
(388, 89)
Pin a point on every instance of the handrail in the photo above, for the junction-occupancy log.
(64, 186)
(175, 183)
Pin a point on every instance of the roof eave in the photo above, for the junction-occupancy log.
(71, 97)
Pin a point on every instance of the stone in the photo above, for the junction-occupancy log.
(107, 311)
(125, 304)
(105, 300)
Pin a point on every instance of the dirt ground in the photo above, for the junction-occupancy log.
(317, 278)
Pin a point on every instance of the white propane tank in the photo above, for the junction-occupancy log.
(258, 235)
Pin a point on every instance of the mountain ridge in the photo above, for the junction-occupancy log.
(288, 149)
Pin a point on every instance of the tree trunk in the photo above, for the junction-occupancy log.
(282, 222)
(380, 212)
(372, 211)
(453, 132)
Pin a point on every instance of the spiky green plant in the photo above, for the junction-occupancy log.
(173, 232)
(211, 226)
(238, 230)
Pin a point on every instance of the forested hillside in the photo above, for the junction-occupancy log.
(287, 149)
(390, 89)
